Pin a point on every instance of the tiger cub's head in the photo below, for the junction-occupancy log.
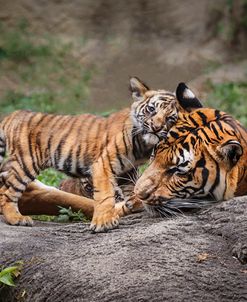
(154, 112)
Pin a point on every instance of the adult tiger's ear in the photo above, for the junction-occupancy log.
(231, 151)
(186, 98)
(137, 88)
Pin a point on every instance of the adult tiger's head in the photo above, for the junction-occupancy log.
(205, 154)
(154, 112)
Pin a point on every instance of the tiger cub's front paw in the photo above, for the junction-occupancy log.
(129, 206)
(102, 222)
(14, 217)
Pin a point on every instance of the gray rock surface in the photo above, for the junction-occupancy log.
(199, 257)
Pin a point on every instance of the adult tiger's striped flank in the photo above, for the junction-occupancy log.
(84, 146)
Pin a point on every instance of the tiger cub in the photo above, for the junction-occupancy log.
(83, 146)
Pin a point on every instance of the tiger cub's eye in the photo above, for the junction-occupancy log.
(150, 109)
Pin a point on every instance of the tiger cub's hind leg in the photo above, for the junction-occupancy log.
(15, 182)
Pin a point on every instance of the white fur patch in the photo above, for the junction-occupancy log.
(188, 156)
(188, 94)
(43, 186)
(4, 174)
(150, 139)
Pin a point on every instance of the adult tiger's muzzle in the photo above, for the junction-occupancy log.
(146, 187)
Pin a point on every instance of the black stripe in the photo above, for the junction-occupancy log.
(57, 155)
(193, 121)
(203, 117)
(7, 196)
(77, 157)
(215, 131)
(230, 133)
(48, 147)
(34, 158)
(83, 172)
(217, 114)
(109, 161)
(217, 179)
(193, 141)
(38, 149)
(119, 157)
(23, 165)
(174, 134)
(18, 177)
(62, 142)
(124, 141)
(181, 152)
(67, 165)
(219, 123)
(201, 162)
(182, 129)
(186, 146)
(205, 134)
(86, 156)
(15, 188)
(136, 147)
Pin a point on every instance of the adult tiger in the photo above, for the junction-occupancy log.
(84, 146)
(205, 154)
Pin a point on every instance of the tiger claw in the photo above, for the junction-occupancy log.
(19, 220)
(102, 224)
(14, 217)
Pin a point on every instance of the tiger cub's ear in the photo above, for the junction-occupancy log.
(137, 88)
(230, 151)
(186, 98)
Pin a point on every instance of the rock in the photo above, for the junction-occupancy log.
(199, 257)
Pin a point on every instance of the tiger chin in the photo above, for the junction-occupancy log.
(204, 155)
(84, 146)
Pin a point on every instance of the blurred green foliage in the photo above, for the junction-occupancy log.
(8, 274)
(17, 44)
(231, 98)
(65, 216)
(231, 21)
(44, 72)
(51, 177)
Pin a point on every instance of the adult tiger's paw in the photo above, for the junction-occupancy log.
(14, 217)
(103, 222)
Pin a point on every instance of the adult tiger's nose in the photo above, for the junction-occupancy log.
(144, 189)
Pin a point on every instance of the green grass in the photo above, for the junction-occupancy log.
(43, 73)
(17, 45)
(51, 177)
(8, 274)
(231, 98)
(65, 215)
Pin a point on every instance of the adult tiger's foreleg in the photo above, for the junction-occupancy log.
(42, 199)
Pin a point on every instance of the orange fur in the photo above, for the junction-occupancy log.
(205, 154)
